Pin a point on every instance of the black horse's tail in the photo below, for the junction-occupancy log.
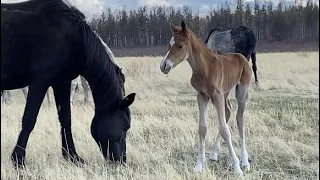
(254, 66)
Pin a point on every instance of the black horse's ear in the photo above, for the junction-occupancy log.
(127, 101)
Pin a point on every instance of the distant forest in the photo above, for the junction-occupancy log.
(148, 27)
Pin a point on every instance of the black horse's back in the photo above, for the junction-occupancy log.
(50, 45)
(211, 31)
(32, 40)
(30, 5)
(243, 41)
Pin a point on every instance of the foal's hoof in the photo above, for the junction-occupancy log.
(18, 160)
(237, 170)
(198, 167)
(257, 83)
(245, 165)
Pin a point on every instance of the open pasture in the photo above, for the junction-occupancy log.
(282, 122)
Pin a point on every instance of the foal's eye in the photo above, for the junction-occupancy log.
(180, 46)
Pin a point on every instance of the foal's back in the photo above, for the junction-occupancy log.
(235, 70)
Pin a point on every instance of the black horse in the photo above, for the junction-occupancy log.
(49, 43)
(236, 40)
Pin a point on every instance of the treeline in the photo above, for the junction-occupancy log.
(149, 26)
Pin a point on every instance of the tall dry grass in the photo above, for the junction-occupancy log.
(282, 121)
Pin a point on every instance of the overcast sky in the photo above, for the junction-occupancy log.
(91, 7)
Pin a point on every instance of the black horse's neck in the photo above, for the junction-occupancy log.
(100, 72)
(104, 85)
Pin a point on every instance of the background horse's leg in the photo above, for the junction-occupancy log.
(35, 97)
(62, 97)
(25, 92)
(86, 89)
(48, 97)
(6, 96)
(74, 84)
(254, 67)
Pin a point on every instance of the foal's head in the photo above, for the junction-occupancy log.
(179, 48)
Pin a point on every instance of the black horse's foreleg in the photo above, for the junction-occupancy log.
(254, 67)
(35, 97)
(62, 98)
(103, 146)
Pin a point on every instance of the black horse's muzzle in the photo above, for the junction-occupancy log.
(117, 152)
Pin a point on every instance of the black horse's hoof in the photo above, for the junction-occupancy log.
(76, 159)
(257, 83)
(18, 160)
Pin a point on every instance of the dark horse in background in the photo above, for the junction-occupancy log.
(49, 43)
(236, 40)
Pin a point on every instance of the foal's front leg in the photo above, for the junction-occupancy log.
(35, 97)
(203, 109)
(224, 130)
(62, 97)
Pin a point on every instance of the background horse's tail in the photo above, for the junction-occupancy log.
(246, 75)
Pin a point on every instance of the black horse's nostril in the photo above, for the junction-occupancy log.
(165, 64)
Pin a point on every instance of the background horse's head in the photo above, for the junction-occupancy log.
(178, 50)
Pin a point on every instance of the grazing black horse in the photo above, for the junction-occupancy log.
(48, 43)
(236, 40)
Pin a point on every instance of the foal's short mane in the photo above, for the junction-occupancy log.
(194, 37)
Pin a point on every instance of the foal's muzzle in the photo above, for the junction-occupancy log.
(166, 66)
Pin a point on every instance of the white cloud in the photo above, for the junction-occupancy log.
(87, 7)
(155, 2)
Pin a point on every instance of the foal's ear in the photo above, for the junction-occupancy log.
(184, 28)
(127, 101)
(174, 28)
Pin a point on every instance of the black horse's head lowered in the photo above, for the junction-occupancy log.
(49, 43)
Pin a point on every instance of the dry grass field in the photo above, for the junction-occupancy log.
(282, 121)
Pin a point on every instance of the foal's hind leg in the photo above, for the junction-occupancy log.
(242, 97)
(62, 97)
(35, 97)
(216, 146)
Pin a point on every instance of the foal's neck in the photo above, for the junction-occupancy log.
(199, 55)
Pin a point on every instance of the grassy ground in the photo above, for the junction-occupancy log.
(282, 127)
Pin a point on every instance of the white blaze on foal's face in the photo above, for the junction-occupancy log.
(166, 64)
(177, 52)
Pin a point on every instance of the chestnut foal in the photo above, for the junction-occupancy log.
(213, 76)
